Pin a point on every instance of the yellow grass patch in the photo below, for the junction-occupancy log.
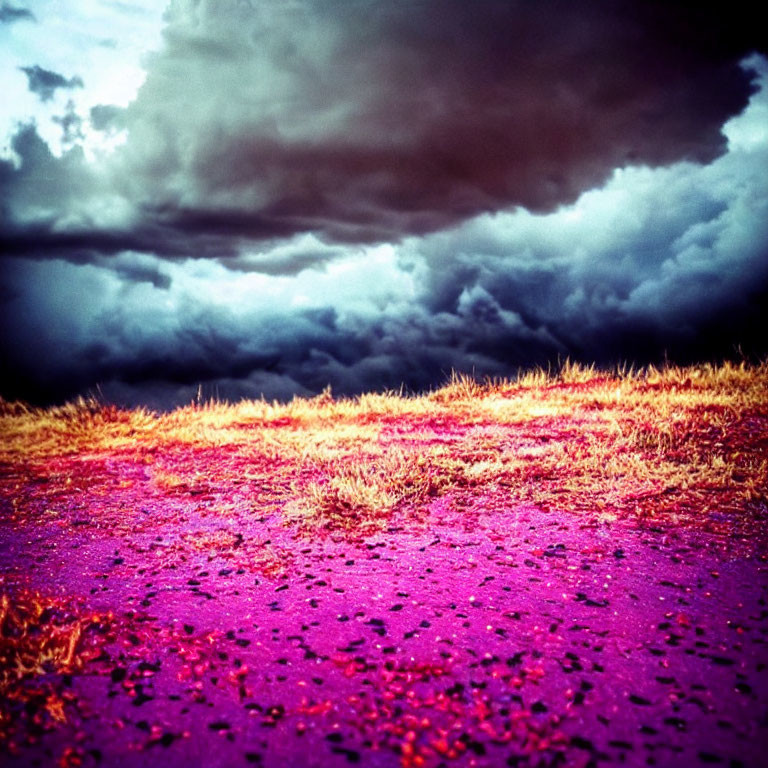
(640, 442)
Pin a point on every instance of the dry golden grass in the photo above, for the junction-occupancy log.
(685, 441)
(355, 490)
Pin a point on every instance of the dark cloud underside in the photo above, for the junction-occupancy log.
(411, 117)
(368, 121)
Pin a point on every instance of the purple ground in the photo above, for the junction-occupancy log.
(522, 638)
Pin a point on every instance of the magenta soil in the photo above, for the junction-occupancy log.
(143, 629)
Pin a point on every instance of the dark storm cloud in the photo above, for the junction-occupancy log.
(45, 83)
(10, 13)
(48, 206)
(658, 262)
(671, 261)
(369, 121)
(406, 118)
(231, 241)
(175, 352)
(50, 186)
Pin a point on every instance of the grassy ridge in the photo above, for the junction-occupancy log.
(678, 443)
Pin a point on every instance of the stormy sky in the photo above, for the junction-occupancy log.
(267, 197)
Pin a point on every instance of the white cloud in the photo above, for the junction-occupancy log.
(104, 43)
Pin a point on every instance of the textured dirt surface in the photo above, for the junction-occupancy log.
(469, 634)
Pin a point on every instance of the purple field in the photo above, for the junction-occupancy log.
(514, 576)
